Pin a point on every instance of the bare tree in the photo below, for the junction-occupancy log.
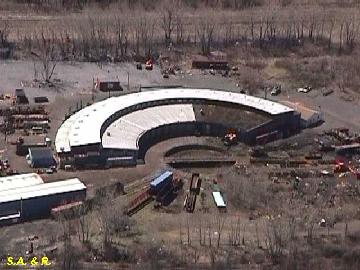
(122, 37)
(341, 36)
(205, 31)
(144, 36)
(252, 28)
(348, 212)
(270, 27)
(350, 32)
(4, 33)
(247, 192)
(331, 29)
(209, 229)
(188, 231)
(65, 222)
(228, 32)
(341, 78)
(220, 222)
(180, 233)
(84, 224)
(137, 36)
(2, 248)
(47, 54)
(193, 254)
(261, 31)
(113, 221)
(312, 26)
(310, 219)
(167, 20)
(300, 28)
(277, 238)
(201, 232)
(179, 29)
(69, 258)
(235, 232)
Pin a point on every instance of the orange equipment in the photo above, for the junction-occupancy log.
(355, 171)
(340, 167)
(230, 137)
(149, 64)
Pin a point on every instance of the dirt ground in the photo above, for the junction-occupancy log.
(229, 116)
(74, 84)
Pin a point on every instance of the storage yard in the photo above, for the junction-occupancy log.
(202, 168)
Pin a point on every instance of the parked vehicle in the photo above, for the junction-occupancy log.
(276, 90)
(305, 89)
(139, 66)
(327, 92)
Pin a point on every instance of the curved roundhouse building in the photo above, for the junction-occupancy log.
(119, 130)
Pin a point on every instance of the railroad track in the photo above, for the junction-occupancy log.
(137, 185)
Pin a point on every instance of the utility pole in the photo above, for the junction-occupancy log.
(265, 90)
(128, 82)
(93, 90)
(21, 207)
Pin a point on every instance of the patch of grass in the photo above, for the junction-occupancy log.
(316, 73)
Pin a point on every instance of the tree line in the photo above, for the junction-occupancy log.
(143, 4)
(122, 38)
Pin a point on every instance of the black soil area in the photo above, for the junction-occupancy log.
(229, 115)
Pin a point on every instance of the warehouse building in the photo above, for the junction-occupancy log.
(41, 157)
(309, 117)
(209, 62)
(14, 182)
(119, 130)
(26, 197)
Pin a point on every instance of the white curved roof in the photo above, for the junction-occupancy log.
(83, 127)
(125, 132)
(42, 189)
(20, 180)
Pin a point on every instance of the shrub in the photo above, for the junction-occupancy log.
(333, 251)
(351, 259)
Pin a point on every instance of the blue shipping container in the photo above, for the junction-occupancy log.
(161, 180)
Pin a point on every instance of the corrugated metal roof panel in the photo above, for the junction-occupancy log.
(41, 190)
(125, 132)
(19, 181)
(306, 113)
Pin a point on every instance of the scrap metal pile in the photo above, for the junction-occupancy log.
(30, 119)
